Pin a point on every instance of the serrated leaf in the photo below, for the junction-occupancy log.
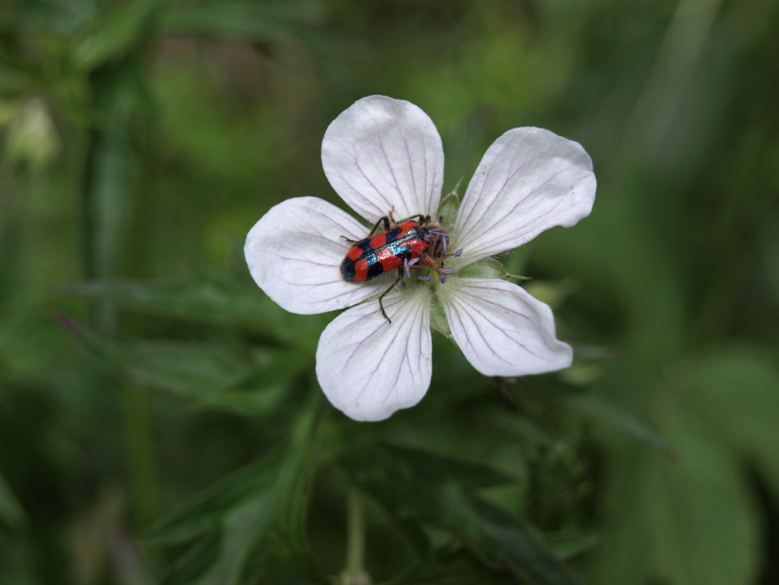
(607, 414)
(521, 545)
(418, 487)
(243, 527)
(283, 365)
(568, 546)
(194, 562)
(209, 300)
(115, 34)
(211, 374)
(518, 426)
(431, 467)
(206, 511)
(293, 486)
(191, 368)
(260, 506)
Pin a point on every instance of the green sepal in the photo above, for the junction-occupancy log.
(447, 211)
(487, 268)
(438, 319)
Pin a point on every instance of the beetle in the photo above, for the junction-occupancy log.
(381, 253)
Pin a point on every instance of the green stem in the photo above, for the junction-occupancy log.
(140, 458)
(110, 184)
(354, 573)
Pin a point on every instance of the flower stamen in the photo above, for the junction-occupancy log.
(433, 260)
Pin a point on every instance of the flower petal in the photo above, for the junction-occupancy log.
(369, 368)
(383, 155)
(501, 329)
(529, 180)
(295, 251)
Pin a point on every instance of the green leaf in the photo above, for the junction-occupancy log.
(210, 300)
(418, 487)
(283, 365)
(194, 562)
(212, 374)
(434, 468)
(699, 508)
(256, 508)
(518, 426)
(520, 545)
(243, 527)
(607, 414)
(738, 392)
(293, 486)
(11, 511)
(115, 34)
(206, 511)
(569, 545)
(241, 20)
(686, 520)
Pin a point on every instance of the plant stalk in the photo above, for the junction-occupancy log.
(354, 573)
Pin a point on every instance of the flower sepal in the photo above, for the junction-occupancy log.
(487, 268)
(447, 212)
(438, 319)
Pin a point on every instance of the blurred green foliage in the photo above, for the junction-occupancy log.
(159, 417)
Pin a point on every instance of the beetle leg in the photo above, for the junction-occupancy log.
(420, 218)
(348, 240)
(382, 220)
(384, 294)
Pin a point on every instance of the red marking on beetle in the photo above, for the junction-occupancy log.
(361, 270)
(379, 240)
(399, 248)
(388, 260)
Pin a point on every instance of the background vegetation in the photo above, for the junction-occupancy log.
(159, 417)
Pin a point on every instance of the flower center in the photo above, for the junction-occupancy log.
(433, 260)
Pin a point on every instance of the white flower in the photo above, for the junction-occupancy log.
(384, 155)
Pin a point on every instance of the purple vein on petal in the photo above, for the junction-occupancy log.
(466, 201)
(365, 199)
(505, 333)
(503, 307)
(389, 166)
(500, 245)
(481, 334)
(410, 164)
(429, 194)
(512, 174)
(519, 203)
(339, 225)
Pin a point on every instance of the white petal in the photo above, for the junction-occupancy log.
(369, 368)
(529, 180)
(501, 329)
(295, 251)
(383, 155)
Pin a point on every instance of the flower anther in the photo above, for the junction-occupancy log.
(385, 156)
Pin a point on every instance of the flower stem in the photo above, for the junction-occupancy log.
(354, 573)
